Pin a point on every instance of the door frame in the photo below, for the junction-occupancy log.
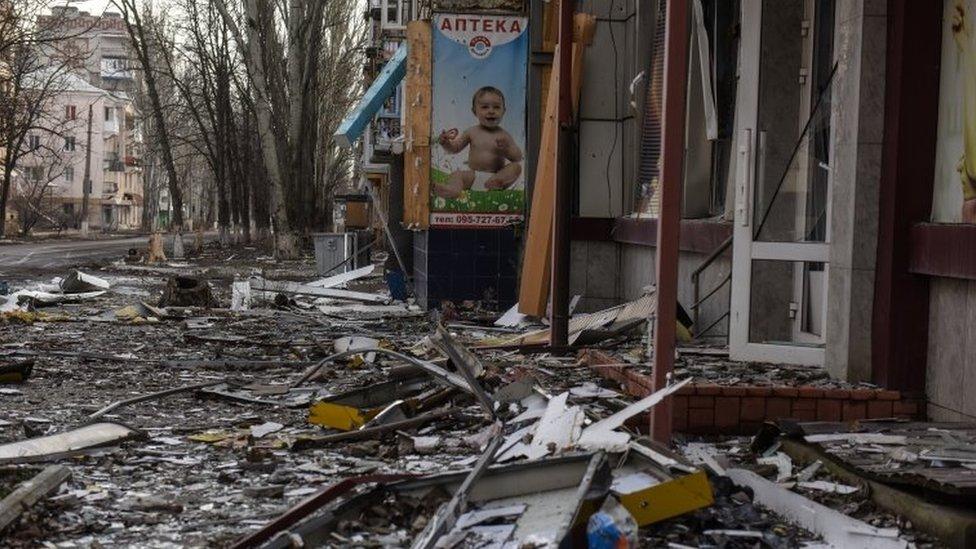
(744, 249)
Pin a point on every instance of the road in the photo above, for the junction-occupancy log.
(58, 255)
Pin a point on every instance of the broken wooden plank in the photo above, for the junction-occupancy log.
(67, 443)
(30, 492)
(540, 242)
(534, 285)
(383, 86)
(416, 155)
(284, 287)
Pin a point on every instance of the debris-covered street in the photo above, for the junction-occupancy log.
(245, 416)
(513, 274)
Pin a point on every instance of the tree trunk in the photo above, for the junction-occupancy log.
(137, 34)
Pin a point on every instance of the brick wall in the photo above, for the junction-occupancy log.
(700, 408)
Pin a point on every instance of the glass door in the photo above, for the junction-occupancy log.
(782, 217)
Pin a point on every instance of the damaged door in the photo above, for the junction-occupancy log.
(782, 217)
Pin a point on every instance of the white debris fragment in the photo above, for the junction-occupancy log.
(260, 431)
(592, 390)
(240, 295)
(783, 463)
(558, 428)
(601, 435)
(355, 343)
(809, 471)
(829, 487)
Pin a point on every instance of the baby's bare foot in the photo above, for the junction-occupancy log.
(960, 29)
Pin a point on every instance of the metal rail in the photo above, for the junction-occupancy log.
(696, 285)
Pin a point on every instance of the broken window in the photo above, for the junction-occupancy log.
(713, 56)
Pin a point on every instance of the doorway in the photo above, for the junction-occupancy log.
(782, 180)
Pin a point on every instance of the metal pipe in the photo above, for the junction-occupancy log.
(669, 221)
(559, 311)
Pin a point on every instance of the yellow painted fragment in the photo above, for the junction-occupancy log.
(337, 416)
(669, 499)
(210, 436)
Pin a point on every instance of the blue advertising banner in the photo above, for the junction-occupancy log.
(478, 153)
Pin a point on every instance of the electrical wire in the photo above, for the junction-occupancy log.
(616, 109)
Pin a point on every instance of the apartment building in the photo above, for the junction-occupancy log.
(100, 85)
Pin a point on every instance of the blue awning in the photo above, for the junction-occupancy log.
(382, 88)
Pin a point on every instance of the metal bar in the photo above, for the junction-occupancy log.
(456, 353)
(447, 515)
(559, 309)
(698, 302)
(716, 253)
(713, 324)
(307, 443)
(669, 220)
(439, 373)
(152, 396)
(310, 505)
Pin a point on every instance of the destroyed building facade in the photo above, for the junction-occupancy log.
(813, 229)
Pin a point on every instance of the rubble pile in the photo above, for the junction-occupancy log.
(321, 411)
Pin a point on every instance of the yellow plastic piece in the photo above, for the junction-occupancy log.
(337, 416)
(669, 499)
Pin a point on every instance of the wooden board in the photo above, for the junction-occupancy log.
(31, 492)
(416, 158)
(534, 283)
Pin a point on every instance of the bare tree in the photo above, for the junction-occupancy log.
(340, 77)
(144, 53)
(37, 65)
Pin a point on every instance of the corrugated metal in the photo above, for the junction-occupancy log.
(649, 160)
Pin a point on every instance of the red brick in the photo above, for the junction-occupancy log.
(698, 419)
(749, 427)
(805, 404)
(854, 410)
(708, 390)
(594, 357)
(735, 391)
(753, 409)
(879, 409)
(726, 411)
(777, 408)
(805, 415)
(862, 394)
(788, 392)
(636, 389)
(888, 395)
(841, 394)
(809, 392)
(679, 422)
(828, 410)
(701, 402)
(905, 408)
(679, 405)
(760, 391)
